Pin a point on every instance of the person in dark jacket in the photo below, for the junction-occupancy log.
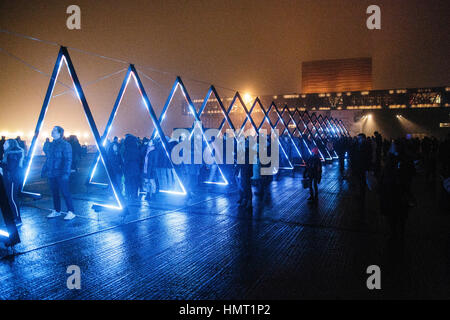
(57, 169)
(131, 166)
(313, 172)
(46, 146)
(393, 194)
(22, 144)
(378, 152)
(116, 162)
(12, 165)
(148, 170)
(361, 163)
(245, 171)
(76, 151)
(2, 142)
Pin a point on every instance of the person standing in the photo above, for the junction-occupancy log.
(57, 169)
(115, 159)
(12, 165)
(378, 151)
(131, 166)
(148, 171)
(46, 146)
(76, 152)
(2, 142)
(245, 171)
(393, 194)
(361, 163)
(313, 172)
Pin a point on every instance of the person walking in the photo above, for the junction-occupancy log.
(313, 172)
(12, 165)
(57, 169)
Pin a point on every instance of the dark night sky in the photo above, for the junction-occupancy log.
(253, 46)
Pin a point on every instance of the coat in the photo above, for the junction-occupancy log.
(313, 168)
(12, 164)
(59, 159)
(131, 156)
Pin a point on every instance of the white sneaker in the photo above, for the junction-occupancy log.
(54, 214)
(69, 216)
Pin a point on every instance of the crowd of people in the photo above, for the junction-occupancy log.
(143, 166)
(389, 168)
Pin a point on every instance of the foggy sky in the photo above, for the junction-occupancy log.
(252, 46)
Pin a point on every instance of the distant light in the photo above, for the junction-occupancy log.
(247, 98)
(86, 135)
(369, 116)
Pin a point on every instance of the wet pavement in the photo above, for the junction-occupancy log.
(208, 248)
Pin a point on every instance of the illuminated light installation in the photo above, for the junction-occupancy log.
(338, 129)
(8, 234)
(280, 119)
(132, 72)
(322, 144)
(179, 83)
(337, 121)
(333, 130)
(313, 139)
(306, 129)
(272, 126)
(325, 130)
(291, 119)
(63, 56)
(341, 130)
(227, 113)
(257, 129)
(297, 128)
(212, 90)
(344, 127)
(109, 124)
